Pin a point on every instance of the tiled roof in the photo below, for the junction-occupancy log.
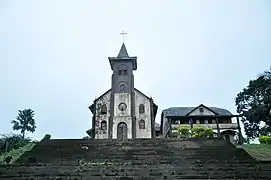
(182, 111)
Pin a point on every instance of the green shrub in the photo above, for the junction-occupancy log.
(202, 132)
(46, 137)
(198, 131)
(209, 132)
(12, 141)
(184, 130)
(265, 139)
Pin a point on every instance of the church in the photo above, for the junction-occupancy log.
(123, 112)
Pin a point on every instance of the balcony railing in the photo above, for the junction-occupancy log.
(213, 126)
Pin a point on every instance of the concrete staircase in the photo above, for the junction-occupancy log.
(135, 159)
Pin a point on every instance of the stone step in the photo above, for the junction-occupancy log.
(137, 177)
(130, 171)
(226, 172)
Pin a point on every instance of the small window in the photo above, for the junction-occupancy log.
(141, 124)
(122, 88)
(201, 110)
(122, 70)
(206, 122)
(103, 109)
(141, 108)
(103, 125)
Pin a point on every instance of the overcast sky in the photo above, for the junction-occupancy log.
(54, 55)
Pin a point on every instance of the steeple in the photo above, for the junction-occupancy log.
(123, 52)
(123, 57)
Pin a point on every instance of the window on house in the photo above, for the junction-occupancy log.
(201, 110)
(103, 125)
(141, 108)
(141, 124)
(103, 109)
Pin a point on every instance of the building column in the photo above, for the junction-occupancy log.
(170, 128)
(191, 122)
(240, 140)
(218, 128)
(191, 125)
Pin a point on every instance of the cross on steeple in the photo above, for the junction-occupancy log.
(123, 35)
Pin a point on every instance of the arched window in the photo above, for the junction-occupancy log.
(122, 88)
(122, 70)
(103, 125)
(141, 108)
(141, 124)
(103, 109)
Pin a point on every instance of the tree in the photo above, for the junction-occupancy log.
(24, 122)
(254, 104)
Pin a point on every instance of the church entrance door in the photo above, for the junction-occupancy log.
(122, 131)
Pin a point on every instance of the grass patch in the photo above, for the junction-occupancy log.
(260, 152)
(16, 153)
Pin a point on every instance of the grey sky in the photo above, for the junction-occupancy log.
(53, 55)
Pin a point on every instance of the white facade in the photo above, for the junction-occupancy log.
(123, 116)
(104, 100)
(146, 116)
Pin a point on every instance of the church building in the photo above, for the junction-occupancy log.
(123, 112)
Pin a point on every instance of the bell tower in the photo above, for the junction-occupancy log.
(122, 106)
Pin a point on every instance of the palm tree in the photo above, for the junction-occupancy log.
(25, 122)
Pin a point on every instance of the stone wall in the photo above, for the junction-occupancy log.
(146, 116)
(104, 100)
(122, 116)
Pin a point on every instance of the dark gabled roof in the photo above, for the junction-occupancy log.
(123, 52)
(183, 111)
(201, 105)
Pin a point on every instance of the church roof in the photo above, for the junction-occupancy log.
(183, 111)
(123, 52)
(124, 57)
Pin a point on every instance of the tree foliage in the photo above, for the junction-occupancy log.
(46, 137)
(254, 104)
(12, 141)
(24, 122)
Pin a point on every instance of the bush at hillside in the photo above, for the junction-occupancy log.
(12, 141)
(14, 154)
(265, 139)
(46, 137)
